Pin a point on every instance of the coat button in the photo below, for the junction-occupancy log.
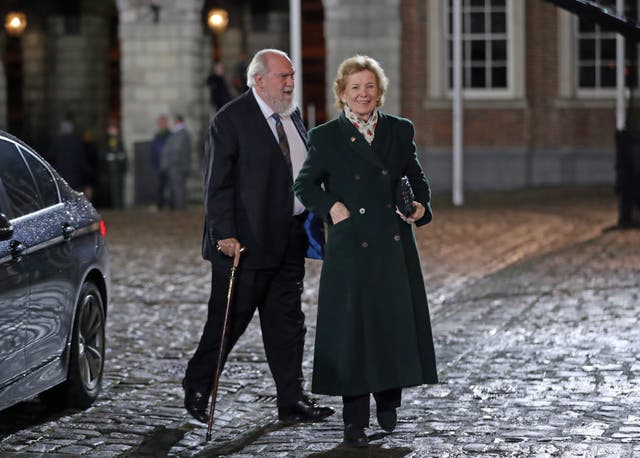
(396, 238)
(364, 244)
(362, 211)
(388, 205)
(357, 177)
(385, 172)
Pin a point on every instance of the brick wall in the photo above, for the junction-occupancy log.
(557, 123)
(414, 66)
(541, 127)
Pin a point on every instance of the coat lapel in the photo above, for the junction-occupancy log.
(357, 143)
(264, 131)
(382, 141)
(258, 119)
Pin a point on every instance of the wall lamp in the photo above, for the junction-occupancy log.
(15, 22)
(217, 19)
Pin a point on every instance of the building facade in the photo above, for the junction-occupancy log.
(539, 103)
(539, 99)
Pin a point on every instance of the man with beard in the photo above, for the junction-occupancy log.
(255, 147)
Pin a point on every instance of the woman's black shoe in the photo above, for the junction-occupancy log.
(355, 437)
(387, 419)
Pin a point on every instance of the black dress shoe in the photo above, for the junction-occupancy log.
(387, 419)
(195, 403)
(354, 436)
(304, 410)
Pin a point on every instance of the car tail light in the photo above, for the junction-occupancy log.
(103, 228)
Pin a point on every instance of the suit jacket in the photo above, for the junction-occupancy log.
(247, 185)
(176, 151)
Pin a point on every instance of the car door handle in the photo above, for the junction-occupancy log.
(17, 249)
(67, 230)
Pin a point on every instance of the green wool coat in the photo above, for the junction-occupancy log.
(373, 331)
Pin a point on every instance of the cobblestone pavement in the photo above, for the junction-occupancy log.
(535, 309)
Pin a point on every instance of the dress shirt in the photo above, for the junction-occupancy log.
(297, 147)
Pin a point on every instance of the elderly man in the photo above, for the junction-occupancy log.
(255, 148)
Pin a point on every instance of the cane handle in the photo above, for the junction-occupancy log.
(236, 258)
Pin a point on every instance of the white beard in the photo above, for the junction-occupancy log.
(284, 108)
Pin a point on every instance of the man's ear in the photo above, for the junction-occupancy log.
(258, 81)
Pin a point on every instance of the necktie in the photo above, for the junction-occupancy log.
(282, 141)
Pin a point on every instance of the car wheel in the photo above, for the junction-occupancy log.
(86, 359)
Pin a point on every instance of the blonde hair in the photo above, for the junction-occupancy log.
(357, 64)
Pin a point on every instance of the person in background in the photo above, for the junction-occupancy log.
(91, 153)
(175, 163)
(157, 143)
(218, 88)
(116, 163)
(373, 334)
(255, 147)
(240, 76)
(67, 155)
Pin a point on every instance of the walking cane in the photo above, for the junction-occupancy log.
(216, 377)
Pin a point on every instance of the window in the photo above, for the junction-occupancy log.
(17, 180)
(485, 41)
(596, 52)
(493, 49)
(45, 182)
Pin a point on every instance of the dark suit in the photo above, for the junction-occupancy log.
(248, 195)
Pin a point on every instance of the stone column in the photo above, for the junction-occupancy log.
(371, 27)
(34, 83)
(75, 78)
(273, 33)
(161, 72)
(37, 117)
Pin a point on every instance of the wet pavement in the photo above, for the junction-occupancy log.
(535, 307)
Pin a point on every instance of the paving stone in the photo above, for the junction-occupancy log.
(75, 450)
(534, 313)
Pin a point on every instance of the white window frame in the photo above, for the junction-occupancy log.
(568, 63)
(437, 55)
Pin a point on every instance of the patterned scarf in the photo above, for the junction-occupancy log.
(366, 128)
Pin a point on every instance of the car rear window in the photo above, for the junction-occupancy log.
(18, 182)
(44, 180)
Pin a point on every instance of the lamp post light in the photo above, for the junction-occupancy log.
(15, 22)
(217, 20)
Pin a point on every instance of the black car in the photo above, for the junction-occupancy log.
(54, 284)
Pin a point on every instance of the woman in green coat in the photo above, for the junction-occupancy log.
(373, 333)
